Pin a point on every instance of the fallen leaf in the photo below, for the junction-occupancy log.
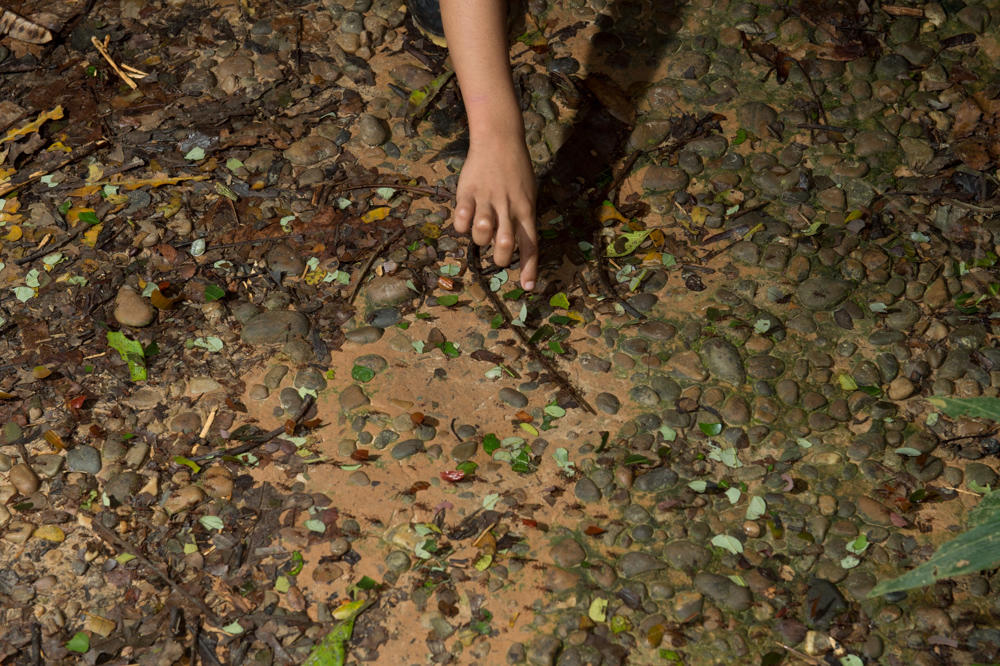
(376, 214)
(35, 125)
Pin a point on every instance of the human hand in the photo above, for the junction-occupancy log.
(496, 201)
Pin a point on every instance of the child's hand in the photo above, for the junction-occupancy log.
(496, 200)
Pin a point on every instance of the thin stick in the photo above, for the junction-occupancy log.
(263, 439)
(85, 151)
(126, 77)
(371, 262)
(602, 275)
(475, 266)
(124, 546)
(442, 192)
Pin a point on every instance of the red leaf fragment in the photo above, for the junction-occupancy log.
(453, 475)
(594, 530)
(77, 402)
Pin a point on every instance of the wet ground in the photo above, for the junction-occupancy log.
(710, 443)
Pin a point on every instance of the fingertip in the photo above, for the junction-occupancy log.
(464, 212)
(528, 285)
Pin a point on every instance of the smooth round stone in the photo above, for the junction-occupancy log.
(397, 561)
(657, 330)
(384, 317)
(358, 478)
(723, 361)
(656, 479)
(123, 486)
(567, 553)
(407, 448)
(259, 392)
(272, 326)
(662, 179)
(388, 291)
(513, 397)
(464, 450)
(978, 473)
(84, 459)
(643, 302)
(723, 591)
(644, 396)
(310, 149)
(290, 399)
(364, 335)
(373, 362)
(186, 422)
(353, 397)
(607, 403)
(686, 555)
(822, 293)
(385, 438)
(310, 378)
(131, 309)
(764, 366)
(274, 376)
(586, 490)
(636, 563)
(592, 363)
(283, 259)
(466, 431)
(372, 131)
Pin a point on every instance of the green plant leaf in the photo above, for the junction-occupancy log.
(89, 217)
(211, 522)
(988, 510)
(332, 650)
(181, 460)
(447, 300)
(490, 443)
(627, 243)
(362, 374)
(214, 292)
(710, 429)
(559, 300)
(131, 352)
(726, 542)
(983, 407)
(79, 643)
(756, 508)
(974, 550)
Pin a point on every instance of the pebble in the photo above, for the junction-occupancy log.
(644, 396)
(688, 365)
(364, 335)
(819, 293)
(353, 397)
(388, 291)
(311, 149)
(282, 258)
(633, 564)
(131, 309)
(567, 553)
(384, 317)
(607, 403)
(723, 591)
(723, 361)
(686, 555)
(372, 131)
(655, 479)
(122, 486)
(273, 326)
(587, 491)
(513, 397)
(83, 458)
(407, 448)
(23, 478)
(310, 378)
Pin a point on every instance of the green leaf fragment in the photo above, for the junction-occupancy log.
(726, 542)
(447, 300)
(756, 508)
(132, 353)
(79, 643)
(559, 300)
(211, 522)
(362, 374)
(195, 154)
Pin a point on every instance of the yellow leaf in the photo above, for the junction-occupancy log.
(161, 302)
(698, 215)
(34, 125)
(117, 199)
(85, 191)
(94, 173)
(59, 146)
(853, 215)
(91, 234)
(574, 315)
(73, 214)
(51, 533)
(348, 609)
(54, 440)
(430, 230)
(608, 212)
(14, 234)
(376, 214)
(12, 206)
(101, 626)
(7, 396)
(156, 182)
(40, 372)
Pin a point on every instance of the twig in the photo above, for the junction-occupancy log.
(371, 261)
(127, 77)
(440, 192)
(475, 267)
(124, 546)
(260, 441)
(52, 248)
(613, 188)
(85, 151)
(601, 266)
(897, 10)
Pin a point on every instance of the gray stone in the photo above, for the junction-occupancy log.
(607, 403)
(513, 397)
(84, 459)
(274, 326)
(388, 291)
(764, 366)
(636, 563)
(122, 486)
(723, 591)
(644, 396)
(282, 258)
(587, 491)
(373, 362)
(723, 361)
(464, 451)
(593, 363)
(543, 650)
(385, 317)
(655, 479)
(978, 473)
(407, 448)
(686, 555)
(310, 378)
(819, 293)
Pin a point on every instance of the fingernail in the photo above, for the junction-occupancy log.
(528, 286)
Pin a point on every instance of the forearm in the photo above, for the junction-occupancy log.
(476, 34)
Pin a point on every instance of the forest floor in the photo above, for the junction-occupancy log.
(250, 375)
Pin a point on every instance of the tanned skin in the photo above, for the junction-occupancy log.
(496, 189)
